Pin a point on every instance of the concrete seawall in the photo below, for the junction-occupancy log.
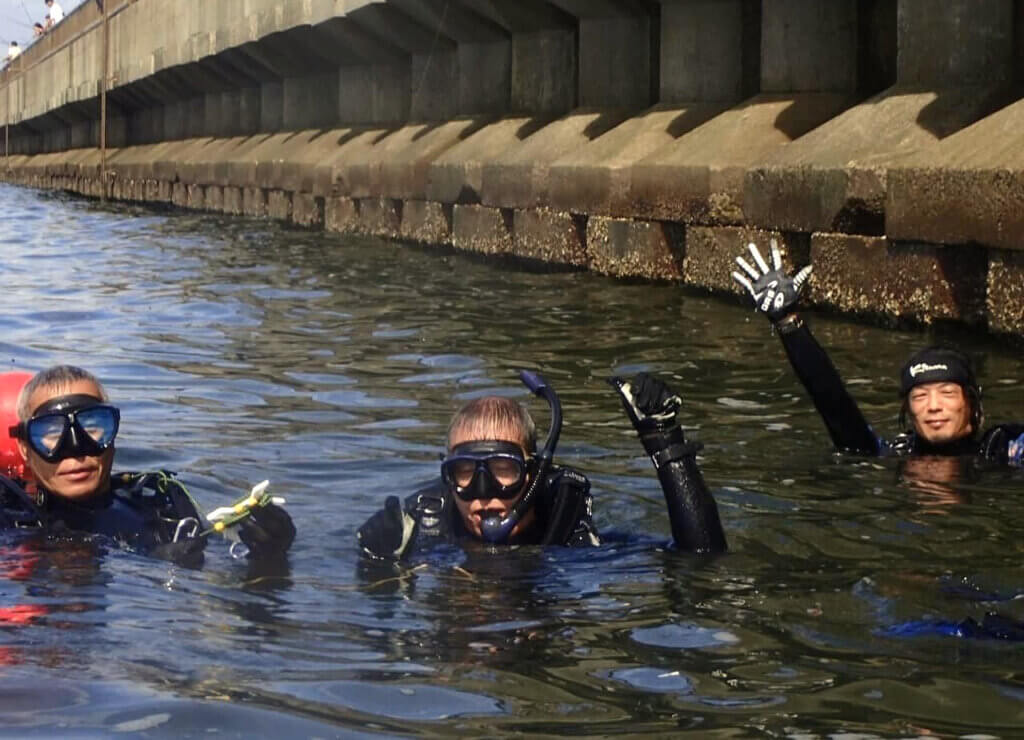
(883, 140)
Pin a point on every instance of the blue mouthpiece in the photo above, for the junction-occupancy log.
(534, 381)
(496, 531)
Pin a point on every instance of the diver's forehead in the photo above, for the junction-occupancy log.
(75, 388)
(485, 433)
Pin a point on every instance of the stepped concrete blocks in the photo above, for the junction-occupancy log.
(164, 188)
(1005, 299)
(482, 229)
(920, 282)
(624, 248)
(341, 215)
(518, 177)
(427, 222)
(597, 177)
(404, 172)
(711, 254)
(456, 176)
(380, 217)
(550, 236)
(254, 202)
(196, 197)
(307, 211)
(699, 178)
(835, 177)
(233, 200)
(279, 205)
(214, 198)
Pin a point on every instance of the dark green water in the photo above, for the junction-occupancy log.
(240, 351)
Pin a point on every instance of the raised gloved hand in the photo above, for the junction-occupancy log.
(650, 404)
(775, 293)
(386, 533)
(267, 531)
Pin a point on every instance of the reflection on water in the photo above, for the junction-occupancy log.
(240, 350)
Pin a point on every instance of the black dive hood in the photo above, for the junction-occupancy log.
(495, 530)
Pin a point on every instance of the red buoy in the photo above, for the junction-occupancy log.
(12, 464)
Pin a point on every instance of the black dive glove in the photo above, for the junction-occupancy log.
(268, 531)
(1004, 444)
(386, 533)
(651, 405)
(775, 293)
(187, 551)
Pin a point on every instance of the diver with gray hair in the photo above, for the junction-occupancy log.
(496, 487)
(66, 432)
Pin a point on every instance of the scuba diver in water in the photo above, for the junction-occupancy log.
(495, 486)
(940, 394)
(66, 434)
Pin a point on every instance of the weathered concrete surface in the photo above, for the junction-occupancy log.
(398, 165)
(550, 236)
(969, 189)
(597, 177)
(482, 229)
(456, 176)
(341, 215)
(700, 177)
(877, 277)
(518, 176)
(647, 249)
(380, 217)
(427, 222)
(835, 177)
(711, 254)
(1006, 291)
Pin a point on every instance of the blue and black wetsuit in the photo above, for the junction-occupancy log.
(851, 432)
(140, 512)
(564, 512)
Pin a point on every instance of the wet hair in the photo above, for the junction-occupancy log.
(58, 376)
(479, 418)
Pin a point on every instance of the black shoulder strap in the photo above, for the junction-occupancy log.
(165, 493)
(17, 509)
(569, 509)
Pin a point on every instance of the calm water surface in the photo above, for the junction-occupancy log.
(241, 350)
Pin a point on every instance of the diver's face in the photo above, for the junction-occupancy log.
(476, 511)
(73, 477)
(940, 412)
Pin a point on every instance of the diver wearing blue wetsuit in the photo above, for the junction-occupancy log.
(66, 436)
(496, 488)
(941, 397)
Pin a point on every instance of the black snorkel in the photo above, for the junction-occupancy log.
(494, 530)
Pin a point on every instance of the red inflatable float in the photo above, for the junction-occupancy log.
(12, 464)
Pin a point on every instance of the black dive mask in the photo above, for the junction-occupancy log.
(485, 470)
(76, 425)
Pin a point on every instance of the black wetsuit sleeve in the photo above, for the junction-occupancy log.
(846, 425)
(692, 510)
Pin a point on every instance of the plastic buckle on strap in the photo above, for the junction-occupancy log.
(187, 528)
(673, 453)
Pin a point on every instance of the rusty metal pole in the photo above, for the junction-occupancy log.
(103, 105)
(7, 126)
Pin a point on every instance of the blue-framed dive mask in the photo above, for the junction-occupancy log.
(76, 425)
(486, 469)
